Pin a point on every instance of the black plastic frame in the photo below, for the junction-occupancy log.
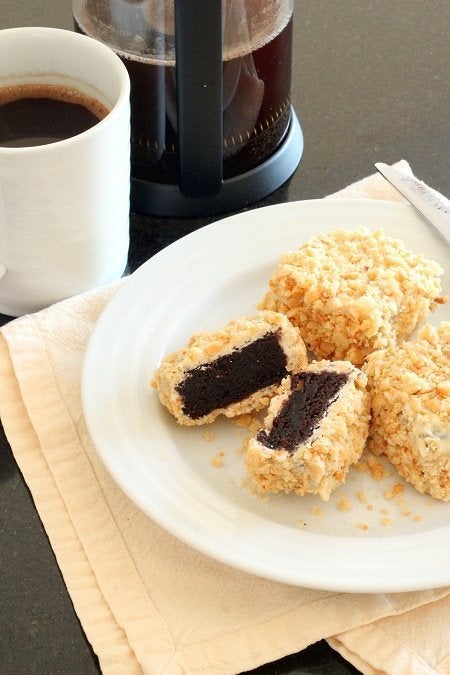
(234, 193)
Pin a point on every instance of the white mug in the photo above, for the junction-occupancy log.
(64, 205)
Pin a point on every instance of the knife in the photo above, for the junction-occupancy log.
(434, 207)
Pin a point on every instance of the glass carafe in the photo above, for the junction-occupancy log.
(210, 97)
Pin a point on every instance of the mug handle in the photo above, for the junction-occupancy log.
(2, 269)
(198, 66)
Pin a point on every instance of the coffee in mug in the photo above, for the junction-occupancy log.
(64, 167)
(37, 114)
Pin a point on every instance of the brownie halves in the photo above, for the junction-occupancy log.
(351, 292)
(230, 371)
(409, 387)
(314, 430)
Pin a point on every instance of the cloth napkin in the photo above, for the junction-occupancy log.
(147, 602)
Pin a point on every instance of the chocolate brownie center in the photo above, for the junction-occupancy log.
(310, 397)
(233, 377)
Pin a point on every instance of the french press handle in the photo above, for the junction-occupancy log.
(198, 54)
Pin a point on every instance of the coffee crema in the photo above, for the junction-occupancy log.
(34, 114)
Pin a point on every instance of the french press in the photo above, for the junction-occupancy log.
(212, 126)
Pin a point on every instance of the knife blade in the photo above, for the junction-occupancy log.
(434, 207)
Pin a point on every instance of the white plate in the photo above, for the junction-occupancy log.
(200, 282)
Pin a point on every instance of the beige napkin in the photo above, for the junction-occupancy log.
(147, 602)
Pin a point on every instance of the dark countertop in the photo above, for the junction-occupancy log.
(370, 84)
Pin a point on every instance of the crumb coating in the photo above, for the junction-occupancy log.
(204, 347)
(321, 463)
(351, 292)
(409, 387)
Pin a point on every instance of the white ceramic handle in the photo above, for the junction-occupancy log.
(2, 269)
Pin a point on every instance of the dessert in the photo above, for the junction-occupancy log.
(353, 292)
(314, 430)
(409, 387)
(231, 371)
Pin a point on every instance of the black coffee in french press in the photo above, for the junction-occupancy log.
(212, 123)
